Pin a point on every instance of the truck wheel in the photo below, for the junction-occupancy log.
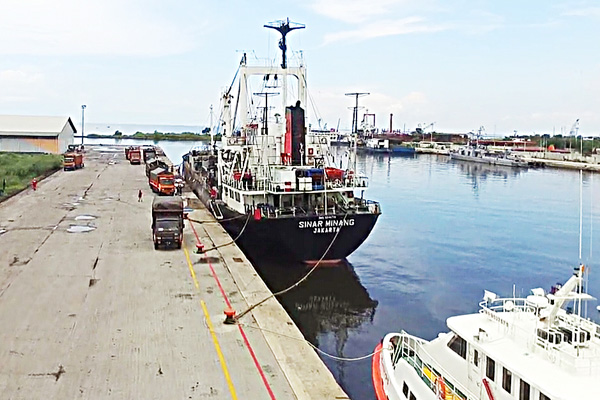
(155, 246)
(179, 245)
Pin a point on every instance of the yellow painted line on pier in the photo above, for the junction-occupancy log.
(211, 328)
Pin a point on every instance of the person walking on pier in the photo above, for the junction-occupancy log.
(34, 184)
(139, 195)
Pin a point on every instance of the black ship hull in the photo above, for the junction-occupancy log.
(307, 238)
(304, 238)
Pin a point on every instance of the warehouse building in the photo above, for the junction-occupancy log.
(34, 134)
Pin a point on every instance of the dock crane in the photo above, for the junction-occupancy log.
(574, 132)
(575, 128)
(421, 129)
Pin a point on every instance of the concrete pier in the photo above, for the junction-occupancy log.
(89, 310)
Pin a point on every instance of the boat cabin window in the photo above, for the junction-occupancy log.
(459, 346)
(412, 396)
(476, 358)
(525, 391)
(405, 389)
(506, 380)
(544, 397)
(490, 368)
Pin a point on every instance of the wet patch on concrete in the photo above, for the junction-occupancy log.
(208, 260)
(187, 296)
(80, 228)
(85, 217)
(93, 281)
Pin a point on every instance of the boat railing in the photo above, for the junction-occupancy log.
(412, 350)
(557, 339)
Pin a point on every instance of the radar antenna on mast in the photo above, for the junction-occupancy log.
(284, 28)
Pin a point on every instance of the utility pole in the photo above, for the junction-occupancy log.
(82, 118)
(212, 138)
(355, 113)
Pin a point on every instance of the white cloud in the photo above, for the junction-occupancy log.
(354, 11)
(106, 27)
(17, 85)
(332, 105)
(583, 12)
(386, 28)
(12, 76)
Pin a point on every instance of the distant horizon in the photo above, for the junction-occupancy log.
(107, 128)
(104, 128)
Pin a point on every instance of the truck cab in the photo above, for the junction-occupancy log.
(72, 161)
(162, 181)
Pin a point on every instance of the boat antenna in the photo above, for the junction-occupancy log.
(284, 28)
(580, 210)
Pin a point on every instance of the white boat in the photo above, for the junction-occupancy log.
(514, 348)
(481, 154)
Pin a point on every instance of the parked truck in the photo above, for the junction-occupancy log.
(167, 221)
(162, 181)
(149, 152)
(133, 154)
(72, 161)
(154, 163)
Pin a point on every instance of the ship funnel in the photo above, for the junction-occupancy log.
(294, 135)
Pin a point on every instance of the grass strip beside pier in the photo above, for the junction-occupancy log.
(18, 169)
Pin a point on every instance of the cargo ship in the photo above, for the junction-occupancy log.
(270, 181)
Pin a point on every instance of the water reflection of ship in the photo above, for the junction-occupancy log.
(331, 301)
(478, 173)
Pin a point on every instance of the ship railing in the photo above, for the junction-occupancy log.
(578, 347)
(412, 350)
(582, 358)
(497, 309)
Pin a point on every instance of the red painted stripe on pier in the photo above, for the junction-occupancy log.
(228, 303)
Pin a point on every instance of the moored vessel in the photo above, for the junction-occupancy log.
(532, 348)
(481, 154)
(273, 185)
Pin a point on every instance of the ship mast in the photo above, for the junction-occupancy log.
(284, 27)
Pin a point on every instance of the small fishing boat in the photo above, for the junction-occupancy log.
(532, 348)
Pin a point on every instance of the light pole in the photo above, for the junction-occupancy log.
(82, 119)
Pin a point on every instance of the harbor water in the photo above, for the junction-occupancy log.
(448, 231)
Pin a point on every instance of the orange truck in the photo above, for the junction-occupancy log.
(72, 161)
(133, 154)
(162, 181)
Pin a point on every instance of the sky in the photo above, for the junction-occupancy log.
(526, 66)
